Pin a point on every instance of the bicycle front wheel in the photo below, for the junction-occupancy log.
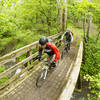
(62, 54)
(41, 78)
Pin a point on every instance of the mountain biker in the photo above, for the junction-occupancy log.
(68, 37)
(52, 51)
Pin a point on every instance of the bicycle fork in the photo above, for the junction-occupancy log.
(45, 74)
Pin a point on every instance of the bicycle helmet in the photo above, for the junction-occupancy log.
(67, 31)
(43, 40)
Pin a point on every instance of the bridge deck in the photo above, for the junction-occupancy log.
(52, 86)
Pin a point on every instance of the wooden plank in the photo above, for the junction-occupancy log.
(18, 75)
(70, 85)
(8, 57)
(17, 52)
(17, 65)
(19, 81)
(34, 64)
(29, 53)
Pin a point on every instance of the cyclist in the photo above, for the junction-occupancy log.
(68, 38)
(52, 51)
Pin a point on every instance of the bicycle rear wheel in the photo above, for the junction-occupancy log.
(68, 46)
(41, 78)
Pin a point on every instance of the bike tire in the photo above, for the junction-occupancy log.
(40, 79)
(62, 54)
(68, 46)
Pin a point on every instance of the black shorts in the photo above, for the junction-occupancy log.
(67, 40)
(50, 54)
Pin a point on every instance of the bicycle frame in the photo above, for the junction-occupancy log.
(43, 74)
(45, 68)
(65, 49)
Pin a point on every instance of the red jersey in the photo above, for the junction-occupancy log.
(51, 49)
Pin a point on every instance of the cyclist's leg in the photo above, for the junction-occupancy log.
(65, 44)
(68, 45)
(71, 40)
(54, 58)
(57, 63)
(49, 58)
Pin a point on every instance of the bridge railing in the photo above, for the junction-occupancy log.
(28, 48)
(72, 76)
(26, 64)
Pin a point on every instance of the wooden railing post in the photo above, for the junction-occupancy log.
(29, 53)
(17, 60)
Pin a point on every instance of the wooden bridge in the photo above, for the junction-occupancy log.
(60, 83)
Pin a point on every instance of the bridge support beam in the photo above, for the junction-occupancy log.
(78, 87)
(79, 83)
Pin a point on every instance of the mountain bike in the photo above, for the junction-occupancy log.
(65, 49)
(43, 74)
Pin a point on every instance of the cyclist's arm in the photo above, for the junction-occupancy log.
(71, 36)
(40, 51)
(56, 51)
(63, 36)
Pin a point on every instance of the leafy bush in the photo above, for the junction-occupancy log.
(2, 68)
(4, 79)
(26, 21)
(91, 68)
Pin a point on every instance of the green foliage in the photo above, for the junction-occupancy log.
(4, 79)
(81, 10)
(2, 68)
(26, 21)
(97, 17)
(92, 60)
(91, 67)
(94, 87)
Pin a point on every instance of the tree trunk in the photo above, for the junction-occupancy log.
(88, 28)
(64, 16)
(84, 28)
(89, 24)
(59, 13)
(84, 23)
